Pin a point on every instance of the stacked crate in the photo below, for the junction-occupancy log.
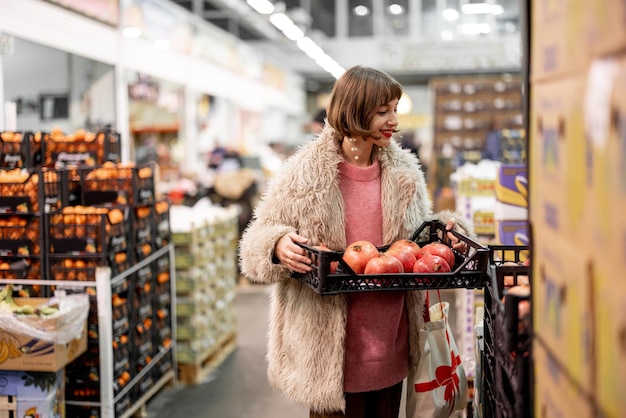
(206, 278)
(69, 208)
(503, 386)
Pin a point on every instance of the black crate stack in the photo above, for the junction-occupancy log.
(505, 382)
(68, 206)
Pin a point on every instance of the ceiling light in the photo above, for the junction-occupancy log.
(261, 6)
(395, 9)
(309, 47)
(281, 21)
(450, 15)
(496, 9)
(131, 32)
(482, 8)
(361, 10)
(293, 32)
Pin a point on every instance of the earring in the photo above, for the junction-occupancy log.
(353, 148)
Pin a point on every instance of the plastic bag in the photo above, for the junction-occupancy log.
(60, 328)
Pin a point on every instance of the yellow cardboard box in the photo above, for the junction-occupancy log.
(512, 184)
(563, 303)
(555, 395)
(558, 44)
(605, 26)
(559, 179)
(19, 351)
(609, 335)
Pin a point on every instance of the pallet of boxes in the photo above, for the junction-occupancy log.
(94, 229)
(205, 241)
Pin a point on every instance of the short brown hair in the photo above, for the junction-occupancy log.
(356, 97)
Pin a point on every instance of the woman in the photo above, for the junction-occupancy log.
(347, 354)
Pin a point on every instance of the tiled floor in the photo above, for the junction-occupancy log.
(238, 388)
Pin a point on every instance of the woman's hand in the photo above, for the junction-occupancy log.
(456, 243)
(290, 254)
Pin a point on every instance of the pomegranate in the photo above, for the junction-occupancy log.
(333, 264)
(358, 254)
(440, 249)
(384, 263)
(404, 255)
(431, 263)
(406, 243)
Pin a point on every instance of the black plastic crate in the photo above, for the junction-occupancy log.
(21, 235)
(470, 270)
(88, 230)
(507, 336)
(24, 267)
(83, 268)
(120, 184)
(163, 235)
(81, 149)
(33, 190)
(20, 150)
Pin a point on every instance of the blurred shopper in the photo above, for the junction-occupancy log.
(347, 354)
(318, 122)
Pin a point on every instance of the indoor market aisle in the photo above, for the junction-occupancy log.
(238, 388)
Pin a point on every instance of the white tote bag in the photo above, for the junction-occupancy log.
(439, 386)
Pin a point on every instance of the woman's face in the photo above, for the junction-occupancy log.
(384, 122)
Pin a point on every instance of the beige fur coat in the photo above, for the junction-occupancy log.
(307, 331)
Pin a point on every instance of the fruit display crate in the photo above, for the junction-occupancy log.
(469, 271)
(32, 190)
(104, 399)
(20, 149)
(81, 148)
(507, 369)
(120, 184)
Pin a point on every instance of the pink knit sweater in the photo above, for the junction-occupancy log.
(377, 348)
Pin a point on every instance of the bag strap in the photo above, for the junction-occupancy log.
(445, 317)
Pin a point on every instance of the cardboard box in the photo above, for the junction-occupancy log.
(36, 394)
(559, 180)
(609, 335)
(25, 352)
(512, 184)
(555, 395)
(605, 26)
(616, 152)
(505, 212)
(512, 232)
(558, 39)
(563, 304)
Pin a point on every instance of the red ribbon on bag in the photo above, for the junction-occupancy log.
(444, 376)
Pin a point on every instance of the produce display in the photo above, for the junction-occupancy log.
(68, 206)
(392, 267)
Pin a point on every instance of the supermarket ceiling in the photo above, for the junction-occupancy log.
(318, 38)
